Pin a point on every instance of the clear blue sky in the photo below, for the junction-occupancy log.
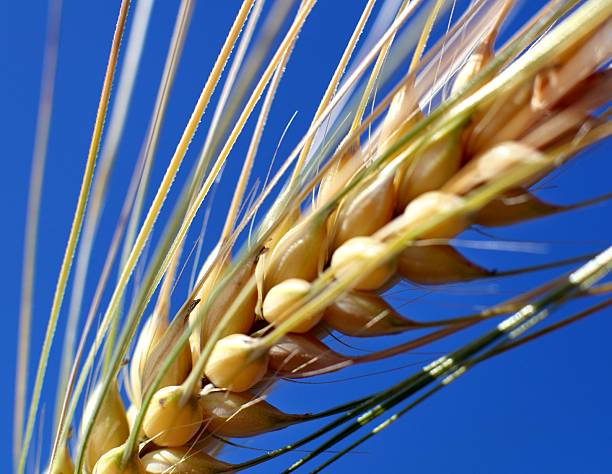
(542, 409)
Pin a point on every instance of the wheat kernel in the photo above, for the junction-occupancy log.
(282, 297)
(229, 366)
(110, 463)
(168, 422)
(366, 212)
(354, 253)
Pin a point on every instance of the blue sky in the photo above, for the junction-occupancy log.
(542, 408)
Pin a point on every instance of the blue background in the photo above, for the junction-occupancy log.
(543, 408)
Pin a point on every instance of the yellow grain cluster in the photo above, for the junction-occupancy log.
(423, 190)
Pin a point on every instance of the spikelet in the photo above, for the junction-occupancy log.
(574, 66)
(348, 164)
(110, 463)
(354, 253)
(361, 314)
(512, 207)
(477, 60)
(366, 212)
(296, 355)
(533, 102)
(277, 234)
(419, 211)
(169, 421)
(491, 165)
(110, 428)
(241, 321)
(131, 414)
(430, 169)
(486, 124)
(151, 334)
(213, 275)
(403, 113)
(572, 113)
(229, 366)
(182, 461)
(437, 265)
(282, 297)
(300, 253)
(240, 415)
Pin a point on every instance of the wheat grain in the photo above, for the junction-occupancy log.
(168, 421)
(283, 296)
(354, 253)
(112, 463)
(229, 366)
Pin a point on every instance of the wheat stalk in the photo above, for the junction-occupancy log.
(458, 140)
